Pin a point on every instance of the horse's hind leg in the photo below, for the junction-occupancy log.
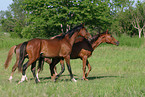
(25, 66)
(13, 70)
(23, 73)
(89, 68)
(33, 68)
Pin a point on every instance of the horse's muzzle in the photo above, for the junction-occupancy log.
(117, 43)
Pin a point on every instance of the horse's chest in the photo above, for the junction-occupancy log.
(84, 52)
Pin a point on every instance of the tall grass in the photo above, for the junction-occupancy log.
(117, 71)
(6, 41)
(132, 42)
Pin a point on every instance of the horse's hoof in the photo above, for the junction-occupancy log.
(85, 79)
(38, 80)
(73, 79)
(19, 82)
(10, 79)
(26, 78)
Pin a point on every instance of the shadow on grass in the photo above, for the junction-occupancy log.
(45, 79)
(101, 77)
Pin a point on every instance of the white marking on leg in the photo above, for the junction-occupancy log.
(10, 78)
(26, 78)
(22, 79)
(73, 79)
(37, 77)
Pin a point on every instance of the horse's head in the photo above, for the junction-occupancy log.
(83, 32)
(108, 38)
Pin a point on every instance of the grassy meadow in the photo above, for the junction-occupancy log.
(117, 71)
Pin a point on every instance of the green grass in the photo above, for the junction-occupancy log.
(6, 41)
(117, 71)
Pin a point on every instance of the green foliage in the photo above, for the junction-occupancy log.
(131, 42)
(47, 15)
(43, 18)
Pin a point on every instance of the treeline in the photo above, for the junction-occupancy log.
(45, 18)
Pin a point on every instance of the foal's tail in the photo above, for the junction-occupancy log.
(22, 55)
(9, 57)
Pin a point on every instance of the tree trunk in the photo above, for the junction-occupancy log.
(139, 30)
(144, 31)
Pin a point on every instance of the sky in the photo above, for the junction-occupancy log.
(5, 3)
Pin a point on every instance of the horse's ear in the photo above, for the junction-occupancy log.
(107, 31)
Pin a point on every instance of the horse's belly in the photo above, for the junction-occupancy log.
(50, 54)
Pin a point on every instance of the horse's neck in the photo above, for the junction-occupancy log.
(96, 43)
(71, 40)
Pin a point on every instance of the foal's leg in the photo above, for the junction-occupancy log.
(52, 65)
(48, 60)
(89, 68)
(67, 59)
(62, 67)
(84, 67)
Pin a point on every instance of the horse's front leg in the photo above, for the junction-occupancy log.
(89, 68)
(84, 67)
(40, 67)
(67, 59)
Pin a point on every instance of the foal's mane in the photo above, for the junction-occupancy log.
(71, 32)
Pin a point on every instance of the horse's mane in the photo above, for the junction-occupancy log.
(71, 32)
(95, 37)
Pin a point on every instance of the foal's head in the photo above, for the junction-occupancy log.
(108, 38)
(83, 32)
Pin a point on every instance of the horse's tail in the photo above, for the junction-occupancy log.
(22, 55)
(9, 57)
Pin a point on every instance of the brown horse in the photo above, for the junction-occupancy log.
(59, 47)
(16, 49)
(83, 49)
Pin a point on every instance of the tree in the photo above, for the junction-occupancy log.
(45, 17)
(13, 20)
(121, 22)
(138, 17)
(18, 16)
(6, 21)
